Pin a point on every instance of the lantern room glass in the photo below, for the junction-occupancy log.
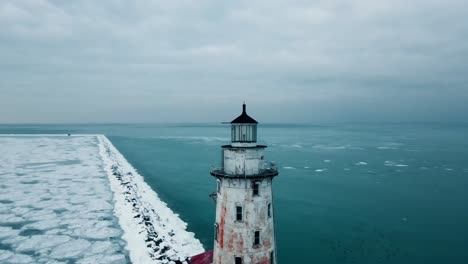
(244, 133)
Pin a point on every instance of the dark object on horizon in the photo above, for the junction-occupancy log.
(69, 134)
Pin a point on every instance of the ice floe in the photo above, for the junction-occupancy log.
(394, 164)
(385, 147)
(55, 202)
(57, 206)
(361, 163)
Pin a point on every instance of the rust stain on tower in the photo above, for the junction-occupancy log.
(244, 226)
(244, 204)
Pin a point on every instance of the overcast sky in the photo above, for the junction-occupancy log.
(197, 61)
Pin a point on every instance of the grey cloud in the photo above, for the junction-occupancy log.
(314, 60)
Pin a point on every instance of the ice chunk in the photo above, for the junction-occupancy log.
(104, 259)
(100, 205)
(4, 255)
(41, 241)
(70, 249)
(44, 225)
(98, 233)
(20, 259)
(102, 247)
(394, 164)
(10, 219)
(7, 232)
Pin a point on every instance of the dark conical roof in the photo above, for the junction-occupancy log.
(244, 118)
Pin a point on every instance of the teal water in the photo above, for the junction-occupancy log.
(345, 193)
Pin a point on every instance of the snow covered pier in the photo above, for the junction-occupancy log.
(76, 199)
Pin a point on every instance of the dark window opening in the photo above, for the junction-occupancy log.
(237, 260)
(269, 210)
(257, 238)
(219, 186)
(272, 257)
(239, 213)
(216, 231)
(255, 187)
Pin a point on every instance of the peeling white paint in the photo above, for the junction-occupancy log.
(236, 238)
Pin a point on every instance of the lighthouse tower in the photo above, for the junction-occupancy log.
(244, 227)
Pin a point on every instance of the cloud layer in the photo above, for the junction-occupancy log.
(296, 61)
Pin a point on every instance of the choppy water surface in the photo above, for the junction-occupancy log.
(345, 194)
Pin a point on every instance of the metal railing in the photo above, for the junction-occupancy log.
(268, 169)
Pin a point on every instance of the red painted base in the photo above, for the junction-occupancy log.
(203, 258)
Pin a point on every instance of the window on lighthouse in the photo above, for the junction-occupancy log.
(239, 216)
(269, 209)
(216, 231)
(255, 187)
(256, 239)
(238, 260)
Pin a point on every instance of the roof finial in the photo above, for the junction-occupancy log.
(244, 118)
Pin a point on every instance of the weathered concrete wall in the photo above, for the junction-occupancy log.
(248, 161)
(236, 238)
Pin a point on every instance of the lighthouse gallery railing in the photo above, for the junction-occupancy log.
(269, 170)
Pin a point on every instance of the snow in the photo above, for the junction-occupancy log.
(55, 202)
(154, 233)
(75, 199)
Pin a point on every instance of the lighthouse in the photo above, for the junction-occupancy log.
(244, 230)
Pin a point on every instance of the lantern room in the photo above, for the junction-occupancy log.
(244, 128)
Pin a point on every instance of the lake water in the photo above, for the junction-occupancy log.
(346, 193)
